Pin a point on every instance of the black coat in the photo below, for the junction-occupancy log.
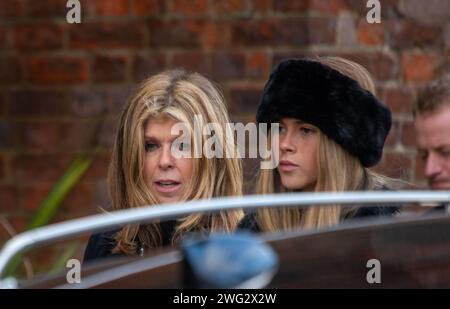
(101, 245)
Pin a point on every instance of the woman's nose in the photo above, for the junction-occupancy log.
(286, 143)
(166, 158)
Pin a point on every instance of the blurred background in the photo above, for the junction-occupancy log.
(62, 85)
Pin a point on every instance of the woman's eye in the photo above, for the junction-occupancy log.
(150, 146)
(281, 129)
(306, 130)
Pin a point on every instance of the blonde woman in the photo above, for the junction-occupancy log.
(332, 129)
(144, 169)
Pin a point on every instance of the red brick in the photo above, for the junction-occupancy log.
(10, 70)
(148, 7)
(7, 135)
(393, 137)
(111, 8)
(346, 33)
(125, 34)
(434, 11)
(146, 65)
(382, 66)
(8, 198)
(4, 235)
(34, 169)
(19, 222)
(109, 69)
(269, 32)
(261, 6)
(98, 169)
(193, 61)
(408, 134)
(48, 103)
(418, 67)
(296, 31)
(227, 65)
(44, 258)
(190, 7)
(86, 102)
(408, 34)
(229, 6)
(80, 135)
(187, 34)
(370, 34)
(290, 6)
(42, 135)
(4, 44)
(332, 6)
(2, 168)
(11, 9)
(107, 133)
(215, 35)
(420, 168)
(38, 36)
(244, 99)
(254, 33)
(2, 106)
(49, 8)
(396, 165)
(114, 99)
(321, 30)
(28, 102)
(258, 65)
(399, 99)
(79, 200)
(58, 70)
(389, 8)
(32, 196)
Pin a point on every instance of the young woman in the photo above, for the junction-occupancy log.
(144, 170)
(332, 129)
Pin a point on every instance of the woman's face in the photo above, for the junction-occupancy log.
(298, 154)
(167, 176)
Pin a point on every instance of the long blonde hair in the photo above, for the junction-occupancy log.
(181, 96)
(338, 171)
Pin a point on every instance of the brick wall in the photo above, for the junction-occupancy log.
(61, 83)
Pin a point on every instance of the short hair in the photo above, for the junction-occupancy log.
(432, 96)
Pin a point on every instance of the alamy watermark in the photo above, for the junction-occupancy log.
(374, 14)
(374, 274)
(74, 14)
(228, 140)
(74, 273)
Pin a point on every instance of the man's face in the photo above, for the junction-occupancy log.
(433, 142)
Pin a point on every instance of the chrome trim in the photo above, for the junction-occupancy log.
(43, 235)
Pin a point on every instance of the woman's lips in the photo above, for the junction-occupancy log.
(287, 166)
(167, 186)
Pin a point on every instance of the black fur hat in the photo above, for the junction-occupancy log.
(336, 104)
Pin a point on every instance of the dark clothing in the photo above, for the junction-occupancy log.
(250, 223)
(441, 209)
(101, 245)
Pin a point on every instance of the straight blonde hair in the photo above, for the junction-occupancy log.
(338, 171)
(181, 96)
